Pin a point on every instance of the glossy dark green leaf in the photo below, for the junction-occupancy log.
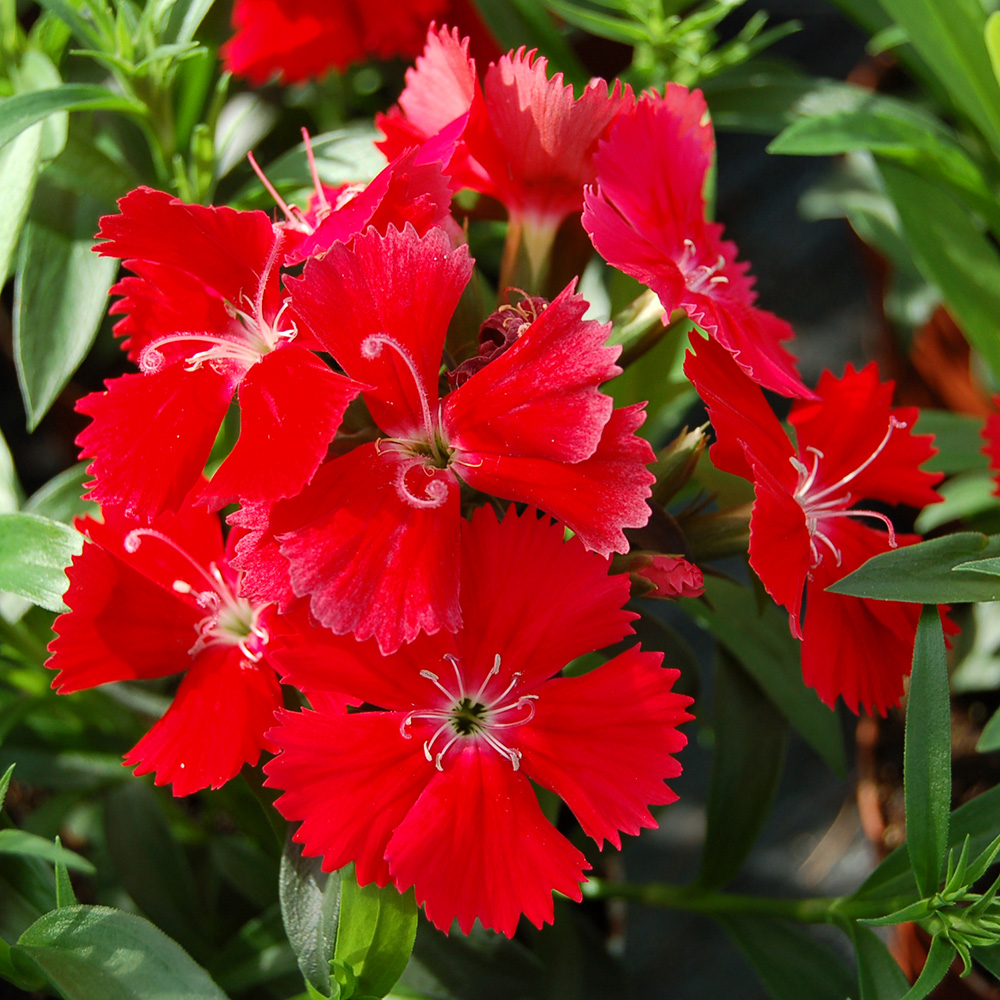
(927, 754)
(953, 253)
(96, 953)
(137, 831)
(924, 573)
(24, 110)
(760, 640)
(34, 554)
(310, 908)
(879, 974)
(375, 933)
(60, 294)
(23, 843)
(747, 761)
(790, 962)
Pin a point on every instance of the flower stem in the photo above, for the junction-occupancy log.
(693, 899)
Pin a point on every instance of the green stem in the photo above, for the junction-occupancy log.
(15, 635)
(692, 899)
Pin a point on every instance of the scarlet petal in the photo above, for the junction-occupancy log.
(121, 625)
(540, 399)
(257, 555)
(215, 725)
(350, 779)
(372, 562)
(505, 567)
(991, 435)
(151, 436)
(382, 309)
(476, 846)
(604, 742)
(596, 498)
(225, 249)
(291, 405)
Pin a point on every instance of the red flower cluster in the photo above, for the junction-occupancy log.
(366, 564)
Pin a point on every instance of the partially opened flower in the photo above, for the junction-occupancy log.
(806, 529)
(205, 318)
(431, 787)
(646, 216)
(373, 539)
(147, 601)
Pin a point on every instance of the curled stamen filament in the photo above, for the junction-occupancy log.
(435, 493)
(151, 358)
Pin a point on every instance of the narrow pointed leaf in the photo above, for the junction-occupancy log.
(879, 975)
(19, 161)
(927, 754)
(939, 959)
(24, 110)
(30, 844)
(5, 783)
(65, 896)
(34, 554)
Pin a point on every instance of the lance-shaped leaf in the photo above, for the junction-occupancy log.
(34, 554)
(879, 975)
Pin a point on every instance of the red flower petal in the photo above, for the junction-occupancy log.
(596, 498)
(476, 846)
(505, 567)
(350, 779)
(371, 562)
(257, 555)
(400, 288)
(604, 742)
(151, 436)
(540, 399)
(215, 725)
(291, 405)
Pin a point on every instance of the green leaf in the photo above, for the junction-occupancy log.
(310, 907)
(24, 110)
(939, 959)
(185, 18)
(988, 958)
(616, 29)
(21, 842)
(96, 953)
(19, 162)
(965, 496)
(60, 499)
(10, 488)
(992, 38)
(950, 38)
(989, 738)
(923, 573)
(82, 29)
(60, 295)
(375, 933)
(34, 554)
(953, 253)
(879, 975)
(927, 754)
(760, 640)
(788, 960)
(5, 783)
(136, 831)
(64, 888)
(747, 762)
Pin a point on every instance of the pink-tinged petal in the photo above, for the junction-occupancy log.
(215, 725)
(506, 566)
(291, 405)
(597, 498)
(753, 337)
(257, 555)
(350, 780)
(854, 648)
(120, 626)
(850, 426)
(382, 309)
(671, 577)
(741, 417)
(539, 399)
(373, 539)
(991, 448)
(547, 137)
(477, 846)
(227, 250)
(780, 551)
(151, 436)
(316, 660)
(604, 742)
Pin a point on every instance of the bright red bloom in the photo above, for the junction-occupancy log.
(299, 39)
(522, 138)
(432, 790)
(804, 532)
(373, 539)
(204, 319)
(146, 602)
(646, 216)
(991, 435)
(669, 576)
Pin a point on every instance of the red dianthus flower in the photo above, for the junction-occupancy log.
(432, 789)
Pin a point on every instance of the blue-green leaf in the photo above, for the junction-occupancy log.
(927, 754)
(34, 554)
